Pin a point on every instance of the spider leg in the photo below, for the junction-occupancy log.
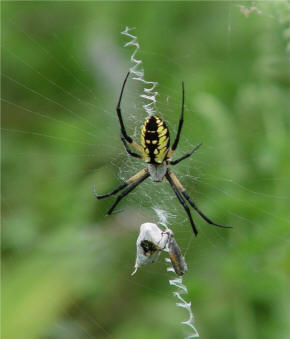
(128, 190)
(119, 113)
(182, 202)
(176, 141)
(123, 185)
(174, 162)
(187, 197)
(116, 190)
(182, 190)
(135, 155)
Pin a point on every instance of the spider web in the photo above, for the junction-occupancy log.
(161, 214)
(54, 130)
(138, 74)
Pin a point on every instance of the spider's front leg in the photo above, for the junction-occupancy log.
(181, 200)
(182, 191)
(137, 182)
(134, 181)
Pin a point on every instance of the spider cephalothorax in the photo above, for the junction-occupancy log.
(156, 153)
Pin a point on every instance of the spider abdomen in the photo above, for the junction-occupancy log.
(154, 140)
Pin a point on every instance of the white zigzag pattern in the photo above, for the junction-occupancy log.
(177, 282)
(138, 72)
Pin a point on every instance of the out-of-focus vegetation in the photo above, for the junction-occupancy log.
(66, 266)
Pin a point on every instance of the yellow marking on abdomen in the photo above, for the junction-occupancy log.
(154, 140)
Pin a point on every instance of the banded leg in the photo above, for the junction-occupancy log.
(187, 197)
(128, 190)
(187, 155)
(116, 190)
(123, 185)
(182, 202)
(119, 113)
(135, 155)
(176, 141)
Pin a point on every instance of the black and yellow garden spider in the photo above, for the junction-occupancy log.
(155, 152)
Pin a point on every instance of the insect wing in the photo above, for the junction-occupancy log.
(177, 259)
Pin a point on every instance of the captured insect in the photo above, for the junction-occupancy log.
(156, 152)
(176, 258)
(149, 248)
(152, 241)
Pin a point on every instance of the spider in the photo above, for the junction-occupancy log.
(155, 152)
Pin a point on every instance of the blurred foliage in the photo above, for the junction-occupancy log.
(66, 266)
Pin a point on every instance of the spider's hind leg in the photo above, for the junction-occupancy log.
(135, 155)
(187, 155)
(180, 124)
(122, 126)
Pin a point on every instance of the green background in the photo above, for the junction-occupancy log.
(66, 266)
